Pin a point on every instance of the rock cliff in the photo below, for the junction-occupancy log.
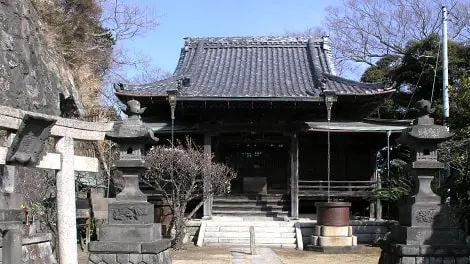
(33, 73)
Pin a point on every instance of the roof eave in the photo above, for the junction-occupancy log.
(249, 99)
(227, 98)
(384, 92)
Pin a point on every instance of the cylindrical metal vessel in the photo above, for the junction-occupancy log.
(333, 213)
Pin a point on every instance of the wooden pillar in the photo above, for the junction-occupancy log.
(378, 206)
(294, 176)
(66, 209)
(373, 177)
(208, 202)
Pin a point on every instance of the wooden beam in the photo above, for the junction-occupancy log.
(52, 161)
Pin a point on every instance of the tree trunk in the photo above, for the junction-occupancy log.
(179, 225)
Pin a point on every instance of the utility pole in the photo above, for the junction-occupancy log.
(445, 68)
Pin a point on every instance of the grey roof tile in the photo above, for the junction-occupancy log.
(254, 67)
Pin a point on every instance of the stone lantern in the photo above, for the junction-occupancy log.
(131, 236)
(426, 233)
(422, 209)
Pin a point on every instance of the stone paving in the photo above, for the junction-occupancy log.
(263, 256)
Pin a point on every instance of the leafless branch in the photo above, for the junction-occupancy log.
(178, 174)
(367, 30)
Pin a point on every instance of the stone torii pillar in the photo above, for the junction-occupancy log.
(32, 131)
(66, 210)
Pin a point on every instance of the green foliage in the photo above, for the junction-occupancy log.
(457, 187)
(396, 182)
(457, 151)
(416, 76)
(460, 108)
(381, 71)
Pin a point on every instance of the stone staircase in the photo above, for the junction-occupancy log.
(275, 206)
(235, 231)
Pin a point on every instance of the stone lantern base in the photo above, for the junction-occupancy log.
(435, 254)
(426, 234)
(130, 237)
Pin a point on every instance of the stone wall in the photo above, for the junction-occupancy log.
(33, 73)
(161, 258)
(36, 249)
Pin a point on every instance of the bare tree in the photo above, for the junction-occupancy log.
(178, 174)
(367, 30)
(126, 20)
(309, 32)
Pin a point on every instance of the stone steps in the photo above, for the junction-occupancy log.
(246, 229)
(246, 241)
(235, 231)
(247, 234)
(244, 222)
(250, 213)
(256, 205)
(249, 206)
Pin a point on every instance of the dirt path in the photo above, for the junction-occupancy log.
(221, 255)
(369, 255)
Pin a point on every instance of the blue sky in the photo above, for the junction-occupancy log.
(221, 18)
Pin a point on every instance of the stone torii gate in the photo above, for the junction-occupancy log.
(28, 133)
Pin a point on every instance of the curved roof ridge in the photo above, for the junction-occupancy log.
(165, 82)
(254, 67)
(190, 41)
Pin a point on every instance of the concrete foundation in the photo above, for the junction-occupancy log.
(333, 239)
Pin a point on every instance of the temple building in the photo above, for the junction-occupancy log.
(259, 104)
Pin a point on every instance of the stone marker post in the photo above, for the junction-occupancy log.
(11, 216)
(11, 252)
(252, 241)
(426, 233)
(131, 236)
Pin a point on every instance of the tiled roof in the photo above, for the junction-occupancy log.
(247, 68)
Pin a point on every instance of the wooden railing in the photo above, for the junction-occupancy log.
(337, 188)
